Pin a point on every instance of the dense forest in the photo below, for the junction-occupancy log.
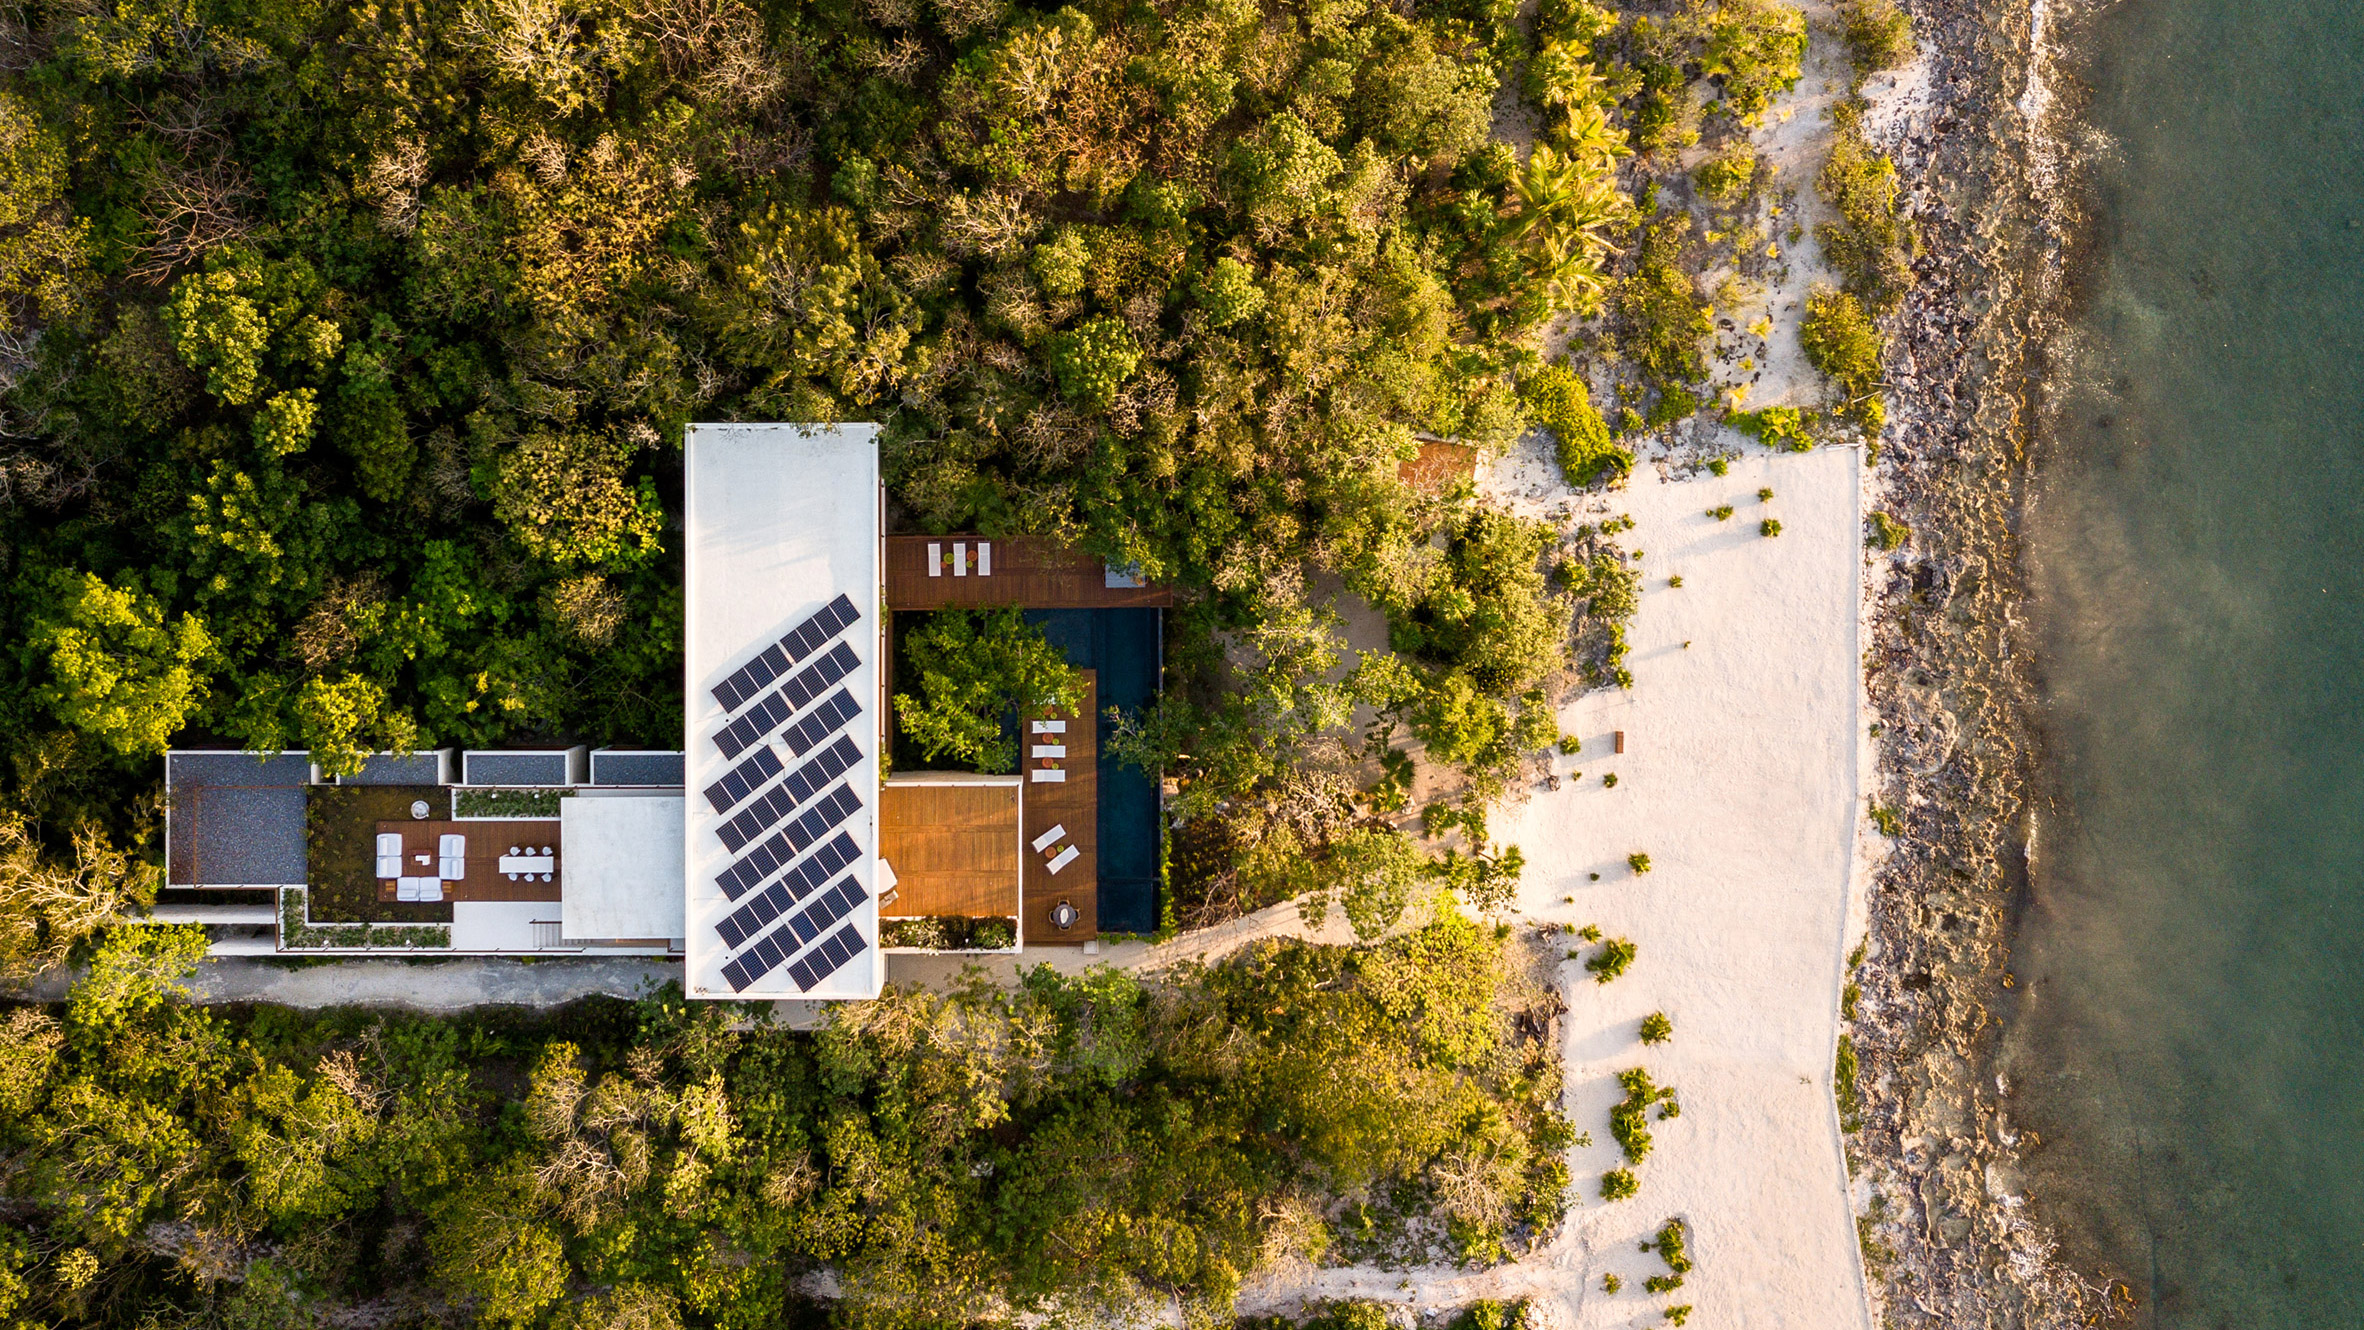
(945, 1158)
(345, 349)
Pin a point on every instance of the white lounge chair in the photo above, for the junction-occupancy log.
(1049, 838)
(1050, 750)
(1042, 776)
(935, 558)
(984, 558)
(1066, 857)
(1050, 727)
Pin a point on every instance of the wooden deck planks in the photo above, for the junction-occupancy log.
(1027, 571)
(1075, 804)
(487, 842)
(954, 848)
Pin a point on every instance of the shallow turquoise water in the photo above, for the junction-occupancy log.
(2192, 1041)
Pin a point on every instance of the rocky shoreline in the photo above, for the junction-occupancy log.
(1948, 1236)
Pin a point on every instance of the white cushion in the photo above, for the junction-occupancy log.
(453, 846)
(430, 889)
(406, 889)
(390, 842)
(1041, 775)
(452, 870)
(1066, 857)
(1049, 838)
(389, 865)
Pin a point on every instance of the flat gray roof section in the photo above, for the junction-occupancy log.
(492, 768)
(782, 521)
(235, 819)
(428, 768)
(618, 767)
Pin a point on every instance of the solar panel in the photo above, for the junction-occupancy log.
(783, 655)
(828, 958)
(776, 802)
(784, 701)
(783, 895)
(743, 778)
(788, 842)
(826, 719)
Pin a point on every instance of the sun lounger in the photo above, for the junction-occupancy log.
(1066, 857)
(1050, 750)
(935, 558)
(960, 558)
(984, 558)
(1050, 727)
(1049, 838)
(1042, 775)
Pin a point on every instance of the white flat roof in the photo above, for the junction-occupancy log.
(623, 866)
(782, 521)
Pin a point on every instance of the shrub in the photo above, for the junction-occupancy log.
(1671, 1246)
(1675, 581)
(1879, 35)
(1887, 533)
(1638, 862)
(1608, 782)
(1663, 1283)
(1629, 1119)
(1610, 961)
(1725, 178)
(1659, 314)
(1867, 241)
(1610, 1283)
(1842, 342)
(1557, 400)
(1843, 1088)
(1657, 1028)
(1721, 512)
(1718, 466)
(1771, 526)
(1617, 1184)
(1786, 427)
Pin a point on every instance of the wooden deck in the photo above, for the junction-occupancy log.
(487, 842)
(1026, 571)
(1075, 805)
(954, 846)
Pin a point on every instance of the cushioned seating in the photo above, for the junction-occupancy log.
(407, 888)
(389, 854)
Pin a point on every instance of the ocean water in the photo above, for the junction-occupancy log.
(2191, 1042)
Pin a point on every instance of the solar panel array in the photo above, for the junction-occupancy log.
(789, 906)
(783, 895)
(783, 942)
(743, 778)
(784, 655)
(776, 802)
(781, 847)
(786, 700)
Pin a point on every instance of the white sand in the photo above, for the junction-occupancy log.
(1740, 781)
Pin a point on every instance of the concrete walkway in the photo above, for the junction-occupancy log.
(421, 985)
